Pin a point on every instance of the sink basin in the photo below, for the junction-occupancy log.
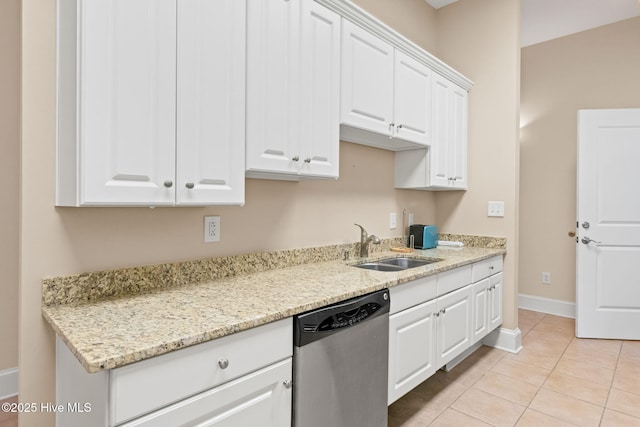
(395, 264)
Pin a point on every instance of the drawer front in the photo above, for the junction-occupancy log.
(148, 385)
(258, 399)
(454, 279)
(483, 269)
(412, 293)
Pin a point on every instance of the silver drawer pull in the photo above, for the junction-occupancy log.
(287, 383)
(223, 363)
(491, 267)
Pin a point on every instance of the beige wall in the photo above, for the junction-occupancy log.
(9, 172)
(414, 19)
(598, 68)
(482, 41)
(277, 215)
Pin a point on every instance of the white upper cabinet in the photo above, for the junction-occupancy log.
(385, 93)
(211, 102)
(367, 81)
(134, 85)
(449, 144)
(293, 73)
(444, 165)
(411, 100)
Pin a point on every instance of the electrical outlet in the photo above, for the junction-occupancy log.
(496, 209)
(211, 229)
(546, 278)
(393, 223)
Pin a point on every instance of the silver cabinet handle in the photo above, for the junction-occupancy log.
(189, 185)
(223, 363)
(295, 158)
(399, 127)
(491, 267)
(587, 240)
(168, 183)
(287, 383)
(307, 160)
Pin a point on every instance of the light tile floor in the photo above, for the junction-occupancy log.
(556, 380)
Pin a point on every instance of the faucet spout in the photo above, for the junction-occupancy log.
(365, 240)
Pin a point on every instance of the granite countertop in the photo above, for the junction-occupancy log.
(112, 332)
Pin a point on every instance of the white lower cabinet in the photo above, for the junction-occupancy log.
(495, 301)
(260, 398)
(454, 325)
(435, 319)
(412, 348)
(240, 379)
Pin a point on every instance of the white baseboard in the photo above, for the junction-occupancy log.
(504, 339)
(547, 305)
(8, 383)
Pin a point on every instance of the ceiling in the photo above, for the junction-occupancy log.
(544, 20)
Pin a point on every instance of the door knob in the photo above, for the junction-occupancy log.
(585, 225)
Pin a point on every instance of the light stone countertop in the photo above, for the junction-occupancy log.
(114, 332)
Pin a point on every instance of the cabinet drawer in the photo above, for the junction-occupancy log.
(260, 398)
(486, 268)
(412, 293)
(148, 385)
(454, 279)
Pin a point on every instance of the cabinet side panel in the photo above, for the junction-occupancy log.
(66, 92)
(82, 395)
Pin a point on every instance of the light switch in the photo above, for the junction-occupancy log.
(496, 209)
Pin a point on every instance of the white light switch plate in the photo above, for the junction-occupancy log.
(393, 223)
(496, 209)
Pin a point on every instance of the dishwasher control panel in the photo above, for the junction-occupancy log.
(348, 318)
(311, 326)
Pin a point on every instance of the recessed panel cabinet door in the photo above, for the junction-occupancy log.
(412, 348)
(211, 100)
(412, 99)
(127, 86)
(273, 40)
(454, 324)
(458, 142)
(440, 139)
(367, 80)
(320, 91)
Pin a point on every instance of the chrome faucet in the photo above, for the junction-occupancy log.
(365, 239)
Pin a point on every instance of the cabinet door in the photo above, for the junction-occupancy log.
(367, 80)
(454, 324)
(273, 42)
(412, 99)
(441, 130)
(211, 101)
(257, 399)
(481, 304)
(495, 304)
(412, 348)
(127, 101)
(320, 90)
(458, 140)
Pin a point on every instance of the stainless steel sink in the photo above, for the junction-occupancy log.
(396, 264)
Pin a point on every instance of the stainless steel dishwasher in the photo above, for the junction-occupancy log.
(340, 364)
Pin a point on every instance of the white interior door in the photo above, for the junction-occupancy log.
(608, 255)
